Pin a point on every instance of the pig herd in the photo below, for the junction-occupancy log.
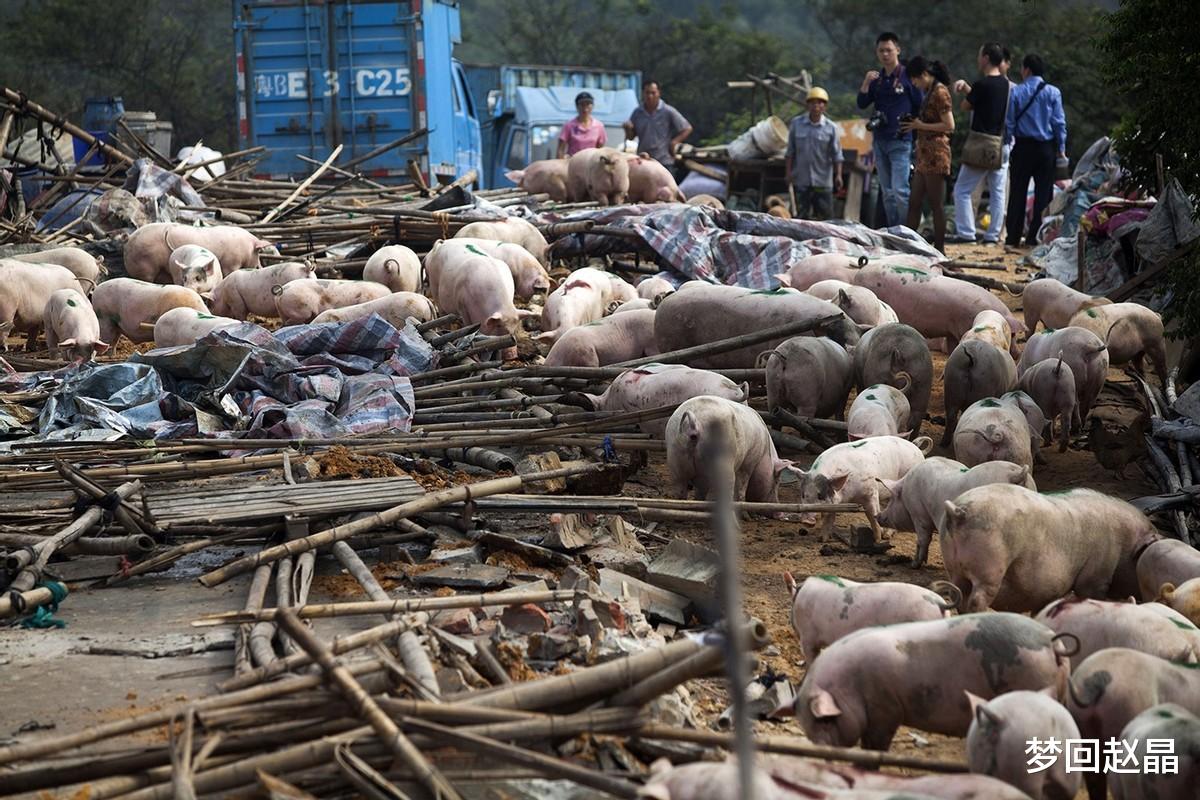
(1045, 646)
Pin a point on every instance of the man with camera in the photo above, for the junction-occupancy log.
(984, 156)
(893, 96)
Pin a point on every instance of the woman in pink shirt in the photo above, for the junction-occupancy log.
(583, 131)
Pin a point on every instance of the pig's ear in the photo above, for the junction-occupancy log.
(1165, 592)
(211, 266)
(1022, 476)
(854, 436)
(780, 465)
(745, 387)
(822, 705)
(791, 584)
(783, 279)
(908, 433)
(979, 710)
(838, 482)
(102, 347)
(67, 343)
(953, 512)
(843, 299)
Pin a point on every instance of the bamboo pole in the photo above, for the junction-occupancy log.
(366, 708)
(427, 503)
(404, 605)
(337, 151)
(24, 104)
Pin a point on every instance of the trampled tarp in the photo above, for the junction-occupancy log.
(310, 381)
(738, 248)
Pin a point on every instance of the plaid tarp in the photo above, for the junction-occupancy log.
(737, 248)
(146, 179)
(310, 381)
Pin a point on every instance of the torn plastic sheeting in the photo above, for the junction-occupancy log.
(1170, 227)
(121, 397)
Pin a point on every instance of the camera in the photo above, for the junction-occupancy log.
(877, 121)
(907, 118)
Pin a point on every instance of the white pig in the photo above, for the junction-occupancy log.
(72, 329)
(749, 456)
(85, 266)
(300, 301)
(25, 290)
(479, 289)
(825, 607)
(181, 326)
(584, 296)
(395, 308)
(991, 327)
(1184, 598)
(859, 302)
(998, 741)
(654, 287)
(1051, 384)
(878, 410)
(1166, 722)
(995, 429)
(850, 473)
(129, 307)
(1131, 331)
(195, 267)
(249, 291)
(1166, 561)
(529, 277)
(810, 375)
(1148, 627)
(919, 498)
(148, 249)
(1052, 302)
(509, 229)
(611, 340)
(396, 267)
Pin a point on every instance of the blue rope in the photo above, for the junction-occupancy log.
(610, 452)
(44, 617)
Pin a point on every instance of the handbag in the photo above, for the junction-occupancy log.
(984, 150)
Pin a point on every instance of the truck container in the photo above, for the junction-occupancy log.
(313, 74)
(524, 106)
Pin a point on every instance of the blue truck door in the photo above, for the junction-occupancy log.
(467, 142)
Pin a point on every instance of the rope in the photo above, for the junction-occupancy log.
(44, 617)
(610, 452)
(109, 502)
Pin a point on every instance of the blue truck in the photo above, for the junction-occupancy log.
(525, 105)
(314, 74)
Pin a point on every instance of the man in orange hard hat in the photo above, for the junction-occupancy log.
(814, 158)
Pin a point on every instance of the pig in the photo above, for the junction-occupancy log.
(479, 289)
(878, 410)
(249, 291)
(25, 289)
(183, 326)
(548, 176)
(997, 742)
(935, 305)
(600, 174)
(860, 304)
(508, 229)
(1012, 549)
(72, 330)
(148, 249)
(849, 473)
(195, 267)
(1170, 722)
(620, 337)
(897, 355)
(1184, 598)
(1149, 627)
(994, 429)
(1051, 384)
(584, 296)
(708, 780)
(1053, 303)
(845, 781)
(975, 370)
(699, 313)
(1083, 351)
(651, 182)
(396, 308)
(299, 302)
(918, 499)
(825, 608)
(1131, 331)
(810, 375)
(865, 686)
(748, 454)
(814, 269)
(1166, 561)
(1109, 689)
(654, 287)
(396, 267)
(658, 385)
(529, 276)
(129, 307)
(84, 265)
(637, 304)
(991, 327)
(705, 200)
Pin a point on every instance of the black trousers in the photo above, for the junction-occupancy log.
(814, 202)
(1030, 158)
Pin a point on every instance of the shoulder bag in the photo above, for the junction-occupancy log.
(984, 150)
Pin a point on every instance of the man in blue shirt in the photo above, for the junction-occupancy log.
(894, 95)
(1037, 127)
(814, 158)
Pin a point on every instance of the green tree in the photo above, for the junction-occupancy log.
(1152, 56)
(168, 56)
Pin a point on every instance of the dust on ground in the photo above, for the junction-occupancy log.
(341, 462)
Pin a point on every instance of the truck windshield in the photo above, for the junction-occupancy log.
(544, 141)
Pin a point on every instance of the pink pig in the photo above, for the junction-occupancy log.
(658, 385)
(1149, 627)
(998, 741)
(71, 326)
(510, 229)
(529, 277)
(298, 302)
(825, 607)
(611, 340)
(148, 249)
(183, 326)
(548, 176)
(651, 182)
(249, 291)
(396, 308)
(130, 307)
(396, 267)
(480, 290)
(1052, 302)
(25, 289)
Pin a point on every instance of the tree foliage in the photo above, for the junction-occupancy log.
(172, 57)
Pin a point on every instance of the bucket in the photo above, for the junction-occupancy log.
(82, 147)
(766, 138)
(101, 113)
